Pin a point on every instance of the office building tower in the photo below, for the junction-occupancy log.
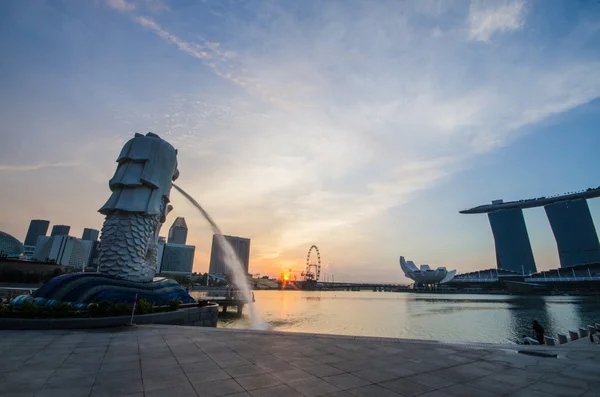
(240, 245)
(64, 250)
(60, 230)
(90, 234)
(176, 259)
(37, 227)
(178, 232)
(513, 248)
(94, 258)
(574, 231)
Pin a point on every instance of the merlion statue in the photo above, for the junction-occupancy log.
(137, 208)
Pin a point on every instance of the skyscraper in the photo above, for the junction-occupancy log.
(176, 259)
(60, 230)
(240, 245)
(37, 227)
(574, 231)
(178, 232)
(90, 234)
(513, 248)
(64, 250)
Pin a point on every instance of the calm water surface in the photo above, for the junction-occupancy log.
(444, 317)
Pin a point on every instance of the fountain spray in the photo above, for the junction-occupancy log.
(232, 261)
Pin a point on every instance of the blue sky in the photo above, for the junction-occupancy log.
(359, 126)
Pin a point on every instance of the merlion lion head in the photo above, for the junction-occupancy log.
(147, 166)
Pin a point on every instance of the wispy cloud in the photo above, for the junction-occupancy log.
(34, 167)
(487, 18)
(224, 63)
(153, 6)
(121, 5)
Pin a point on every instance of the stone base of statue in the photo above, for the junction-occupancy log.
(83, 288)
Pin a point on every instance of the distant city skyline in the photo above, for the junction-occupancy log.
(361, 127)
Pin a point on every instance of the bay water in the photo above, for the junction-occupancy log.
(442, 317)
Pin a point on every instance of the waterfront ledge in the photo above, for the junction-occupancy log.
(198, 316)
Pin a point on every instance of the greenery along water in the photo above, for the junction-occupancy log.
(444, 317)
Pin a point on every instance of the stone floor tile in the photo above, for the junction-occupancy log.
(76, 380)
(527, 392)
(21, 386)
(341, 393)
(567, 381)
(377, 375)
(501, 384)
(458, 374)
(165, 381)
(315, 387)
(198, 367)
(18, 394)
(90, 350)
(273, 363)
(89, 368)
(353, 366)
(182, 391)
(159, 362)
(346, 381)
(118, 359)
(233, 362)
(373, 391)
(406, 387)
(329, 358)
(305, 362)
(556, 390)
(207, 376)
(275, 391)
(218, 388)
(293, 376)
(118, 376)
(433, 381)
(435, 393)
(244, 370)
(323, 370)
(193, 358)
(119, 366)
(463, 390)
(401, 370)
(117, 388)
(263, 357)
(40, 365)
(257, 381)
(593, 392)
(25, 374)
(65, 392)
(158, 371)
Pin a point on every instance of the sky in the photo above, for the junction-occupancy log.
(362, 127)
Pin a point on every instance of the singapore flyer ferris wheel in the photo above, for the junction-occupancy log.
(313, 269)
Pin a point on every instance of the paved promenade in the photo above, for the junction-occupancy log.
(177, 361)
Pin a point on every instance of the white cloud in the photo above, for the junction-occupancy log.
(34, 167)
(153, 6)
(121, 5)
(487, 18)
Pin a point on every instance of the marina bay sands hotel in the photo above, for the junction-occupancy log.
(570, 220)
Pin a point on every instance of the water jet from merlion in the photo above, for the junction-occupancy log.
(231, 259)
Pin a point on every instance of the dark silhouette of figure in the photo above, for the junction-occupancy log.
(538, 332)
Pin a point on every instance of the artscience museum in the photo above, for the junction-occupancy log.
(425, 275)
